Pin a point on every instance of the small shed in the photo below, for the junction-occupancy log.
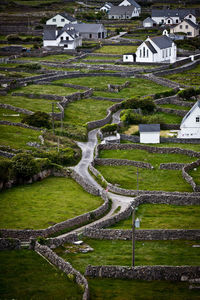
(149, 133)
(129, 57)
(148, 22)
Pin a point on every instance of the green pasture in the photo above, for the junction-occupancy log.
(58, 57)
(116, 49)
(16, 74)
(152, 180)
(194, 147)
(10, 115)
(26, 275)
(173, 106)
(91, 57)
(195, 173)
(47, 89)
(163, 216)
(44, 203)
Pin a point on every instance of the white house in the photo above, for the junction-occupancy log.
(148, 22)
(60, 20)
(172, 16)
(131, 2)
(129, 57)
(149, 133)
(123, 12)
(107, 6)
(190, 125)
(90, 30)
(186, 26)
(157, 49)
(68, 38)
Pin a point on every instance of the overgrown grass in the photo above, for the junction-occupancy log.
(44, 203)
(190, 77)
(58, 57)
(158, 180)
(195, 173)
(10, 115)
(119, 289)
(30, 104)
(142, 155)
(26, 275)
(173, 106)
(116, 49)
(47, 89)
(163, 216)
(117, 252)
(17, 137)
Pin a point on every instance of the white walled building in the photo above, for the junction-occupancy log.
(60, 20)
(172, 16)
(129, 57)
(157, 49)
(107, 6)
(190, 125)
(149, 133)
(186, 26)
(131, 2)
(148, 23)
(123, 12)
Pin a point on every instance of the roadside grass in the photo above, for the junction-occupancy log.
(152, 180)
(47, 89)
(163, 216)
(119, 289)
(143, 155)
(194, 147)
(58, 57)
(190, 77)
(28, 103)
(173, 106)
(118, 252)
(116, 49)
(17, 137)
(44, 203)
(26, 275)
(195, 173)
(10, 115)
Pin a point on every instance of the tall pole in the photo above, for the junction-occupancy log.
(137, 181)
(53, 118)
(133, 238)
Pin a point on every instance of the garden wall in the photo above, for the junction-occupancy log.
(188, 178)
(64, 266)
(10, 244)
(179, 69)
(19, 124)
(176, 112)
(121, 162)
(171, 273)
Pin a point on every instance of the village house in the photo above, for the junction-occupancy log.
(67, 37)
(190, 125)
(186, 26)
(91, 30)
(156, 49)
(148, 22)
(149, 133)
(172, 16)
(123, 12)
(106, 8)
(60, 20)
(129, 57)
(131, 3)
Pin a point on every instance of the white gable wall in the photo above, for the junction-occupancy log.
(162, 20)
(143, 54)
(150, 137)
(192, 18)
(128, 58)
(191, 126)
(59, 21)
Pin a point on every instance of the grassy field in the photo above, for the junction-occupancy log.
(152, 180)
(16, 137)
(194, 147)
(142, 155)
(15, 74)
(196, 175)
(116, 289)
(10, 115)
(116, 49)
(106, 252)
(173, 106)
(26, 275)
(163, 216)
(91, 57)
(44, 203)
(28, 103)
(58, 57)
(190, 77)
(47, 89)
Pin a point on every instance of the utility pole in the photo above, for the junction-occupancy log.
(53, 118)
(133, 237)
(137, 181)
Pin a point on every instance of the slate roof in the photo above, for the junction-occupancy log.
(49, 32)
(197, 104)
(162, 41)
(134, 3)
(86, 28)
(150, 46)
(191, 23)
(165, 13)
(149, 127)
(122, 10)
(68, 17)
(149, 20)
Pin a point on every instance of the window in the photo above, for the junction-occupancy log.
(169, 51)
(65, 46)
(62, 20)
(181, 26)
(176, 21)
(147, 52)
(190, 16)
(162, 53)
(140, 52)
(168, 21)
(90, 35)
(54, 20)
(197, 119)
(67, 38)
(61, 38)
(143, 51)
(126, 57)
(186, 26)
(99, 35)
(189, 33)
(166, 52)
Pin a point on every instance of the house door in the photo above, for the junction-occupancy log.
(134, 57)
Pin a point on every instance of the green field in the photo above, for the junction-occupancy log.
(190, 77)
(194, 147)
(163, 216)
(58, 57)
(47, 89)
(152, 180)
(116, 49)
(10, 115)
(173, 106)
(26, 275)
(44, 203)
(195, 173)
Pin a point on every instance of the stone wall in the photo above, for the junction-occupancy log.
(173, 100)
(10, 244)
(179, 69)
(86, 186)
(121, 162)
(108, 99)
(171, 273)
(171, 166)
(17, 109)
(19, 124)
(188, 178)
(115, 88)
(176, 112)
(64, 266)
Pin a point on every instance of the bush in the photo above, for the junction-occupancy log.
(13, 38)
(38, 119)
(5, 168)
(109, 128)
(146, 104)
(129, 117)
(24, 166)
(187, 93)
(31, 67)
(165, 94)
(63, 157)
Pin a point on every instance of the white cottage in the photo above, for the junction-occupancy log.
(131, 3)
(156, 49)
(68, 38)
(148, 22)
(149, 133)
(186, 26)
(172, 16)
(123, 12)
(190, 125)
(107, 6)
(60, 20)
(129, 57)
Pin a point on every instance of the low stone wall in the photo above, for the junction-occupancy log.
(176, 112)
(121, 162)
(173, 100)
(158, 80)
(76, 96)
(188, 178)
(171, 273)
(171, 166)
(180, 69)
(39, 96)
(109, 99)
(10, 244)
(64, 266)
(87, 187)
(116, 88)
(17, 109)
(19, 124)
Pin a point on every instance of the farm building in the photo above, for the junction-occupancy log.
(149, 133)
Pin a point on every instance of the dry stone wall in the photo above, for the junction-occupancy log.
(121, 162)
(176, 112)
(188, 178)
(17, 109)
(10, 244)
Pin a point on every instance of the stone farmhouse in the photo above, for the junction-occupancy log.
(106, 8)
(159, 49)
(67, 37)
(172, 16)
(190, 125)
(149, 133)
(60, 20)
(186, 26)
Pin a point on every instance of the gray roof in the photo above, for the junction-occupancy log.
(150, 46)
(122, 10)
(134, 3)
(162, 41)
(149, 127)
(49, 32)
(68, 17)
(149, 20)
(86, 27)
(197, 104)
(191, 23)
(165, 13)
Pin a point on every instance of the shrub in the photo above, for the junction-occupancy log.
(63, 157)
(41, 240)
(109, 128)
(165, 94)
(187, 93)
(146, 104)
(38, 119)
(5, 167)
(13, 38)
(24, 166)
(129, 117)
